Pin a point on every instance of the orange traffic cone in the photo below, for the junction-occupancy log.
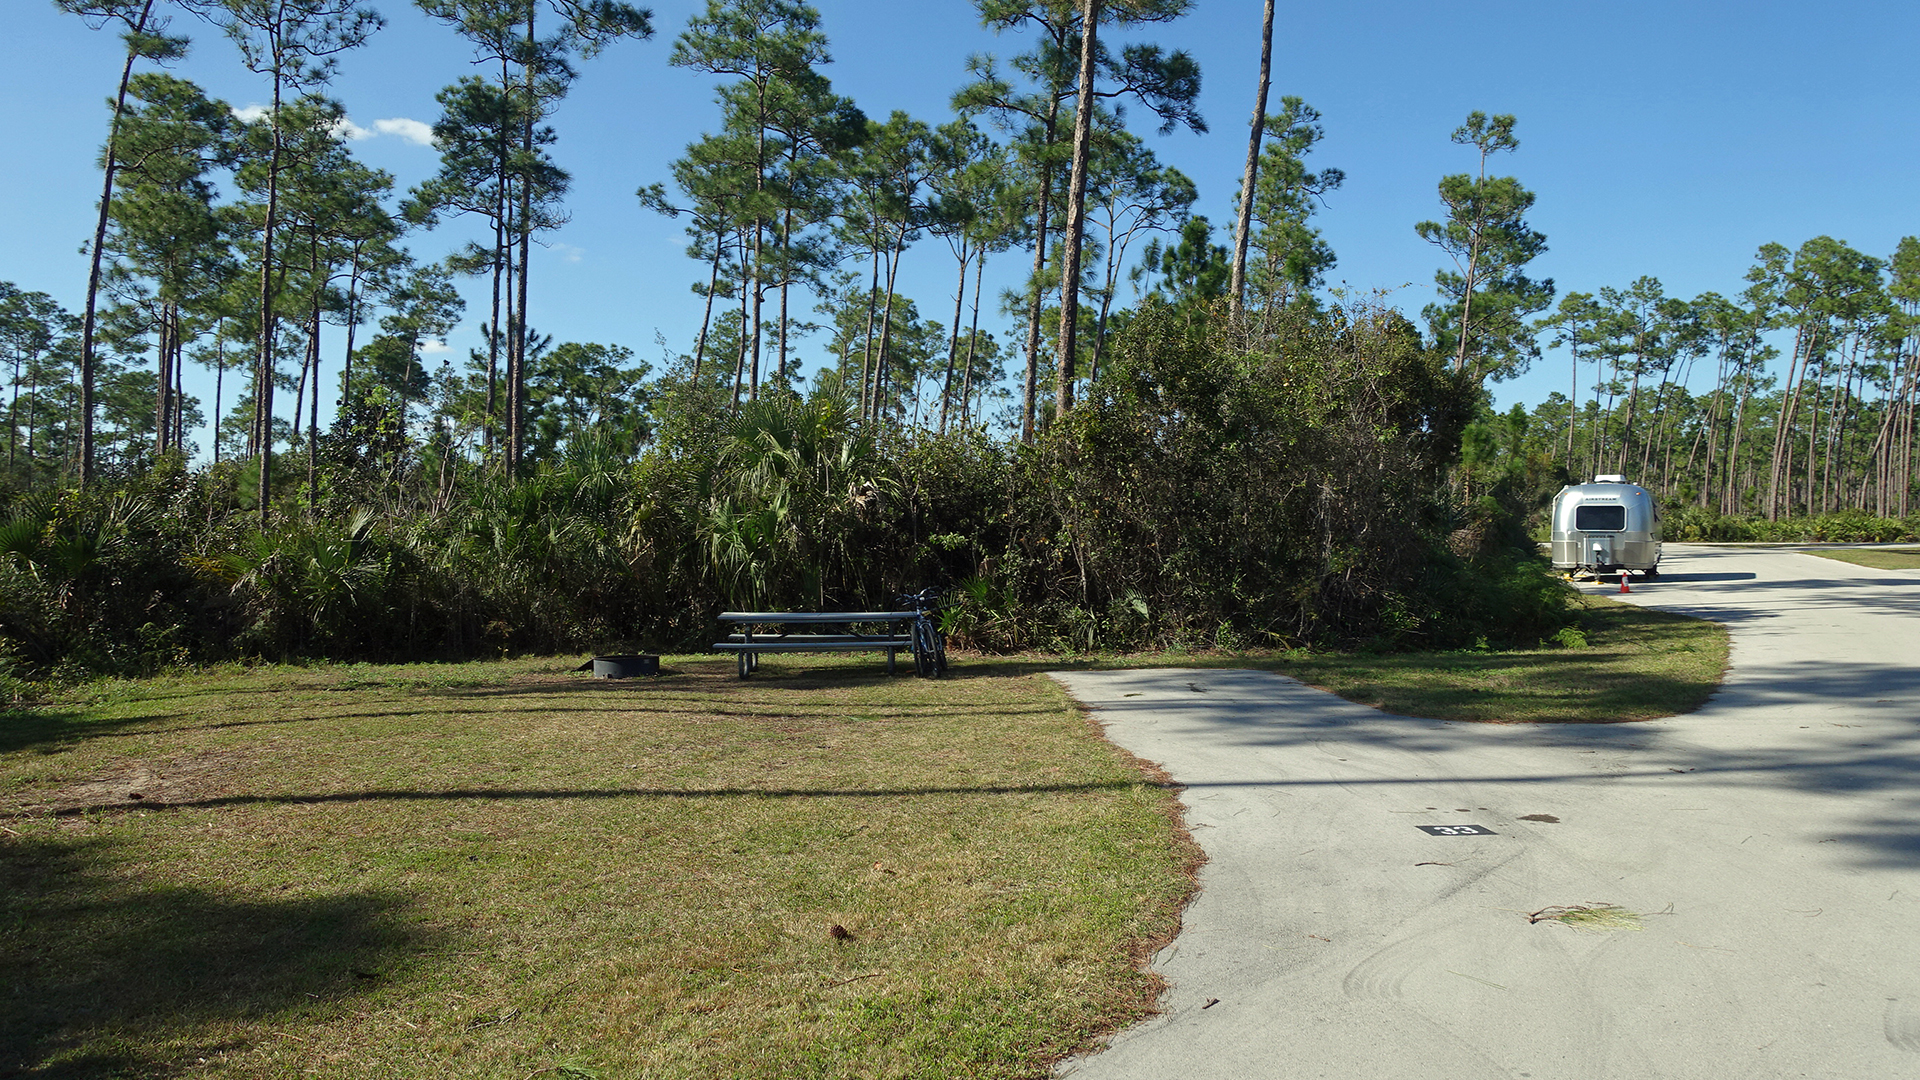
(1623, 582)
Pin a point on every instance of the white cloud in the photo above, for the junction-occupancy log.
(431, 346)
(568, 252)
(347, 129)
(413, 131)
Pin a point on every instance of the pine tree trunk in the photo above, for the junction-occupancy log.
(1626, 429)
(353, 319)
(740, 354)
(300, 387)
(1042, 212)
(264, 402)
(1782, 433)
(502, 260)
(33, 420)
(1573, 398)
(1813, 435)
(219, 379)
(1651, 448)
(786, 284)
(886, 322)
(1903, 468)
(1603, 420)
(759, 301)
(313, 412)
(517, 347)
(163, 382)
(98, 252)
(706, 315)
(1243, 228)
(1835, 441)
(1878, 475)
(13, 420)
(179, 438)
(1100, 335)
(953, 337)
(973, 341)
(1076, 211)
(873, 304)
(1708, 436)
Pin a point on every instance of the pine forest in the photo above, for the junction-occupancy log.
(1174, 432)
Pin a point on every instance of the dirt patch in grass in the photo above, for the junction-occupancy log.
(509, 869)
(136, 784)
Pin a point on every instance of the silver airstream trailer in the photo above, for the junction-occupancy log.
(1605, 527)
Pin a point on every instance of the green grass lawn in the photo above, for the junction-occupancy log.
(1637, 664)
(512, 870)
(1878, 558)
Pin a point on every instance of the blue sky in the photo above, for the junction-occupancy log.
(1669, 139)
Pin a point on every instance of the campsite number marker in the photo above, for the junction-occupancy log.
(1456, 830)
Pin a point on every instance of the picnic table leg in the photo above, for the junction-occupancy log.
(890, 661)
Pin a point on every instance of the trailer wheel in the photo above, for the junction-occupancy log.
(1652, 572)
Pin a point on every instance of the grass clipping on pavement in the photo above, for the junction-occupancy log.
(510, 869)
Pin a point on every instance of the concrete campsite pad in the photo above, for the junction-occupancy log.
(1764, 853)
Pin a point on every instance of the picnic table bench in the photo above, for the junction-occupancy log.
(748, 643)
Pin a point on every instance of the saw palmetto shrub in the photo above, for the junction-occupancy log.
(112, 578)
(1285, 487)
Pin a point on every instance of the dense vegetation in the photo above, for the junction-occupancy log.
(1220, 487)
(1235, 457)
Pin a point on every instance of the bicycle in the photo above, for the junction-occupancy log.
(929, 644)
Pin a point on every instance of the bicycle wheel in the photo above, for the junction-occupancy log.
(939, 652)
(922, 648)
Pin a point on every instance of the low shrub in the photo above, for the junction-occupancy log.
(1693, 524)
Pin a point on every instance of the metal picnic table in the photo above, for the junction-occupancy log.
(902, 631)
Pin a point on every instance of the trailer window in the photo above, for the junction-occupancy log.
(1601, 518)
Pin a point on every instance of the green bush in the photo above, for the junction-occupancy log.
(1217, 488)
(1692, 524)
(1289, 488)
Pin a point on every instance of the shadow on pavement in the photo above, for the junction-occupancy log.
(1875, 758)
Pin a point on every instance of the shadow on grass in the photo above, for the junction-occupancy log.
(717, 674)
(22, 729)
(519, 794)
(107, 974)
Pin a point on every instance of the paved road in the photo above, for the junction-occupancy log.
(1770, 844)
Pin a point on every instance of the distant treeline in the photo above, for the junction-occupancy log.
(1823, 426)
